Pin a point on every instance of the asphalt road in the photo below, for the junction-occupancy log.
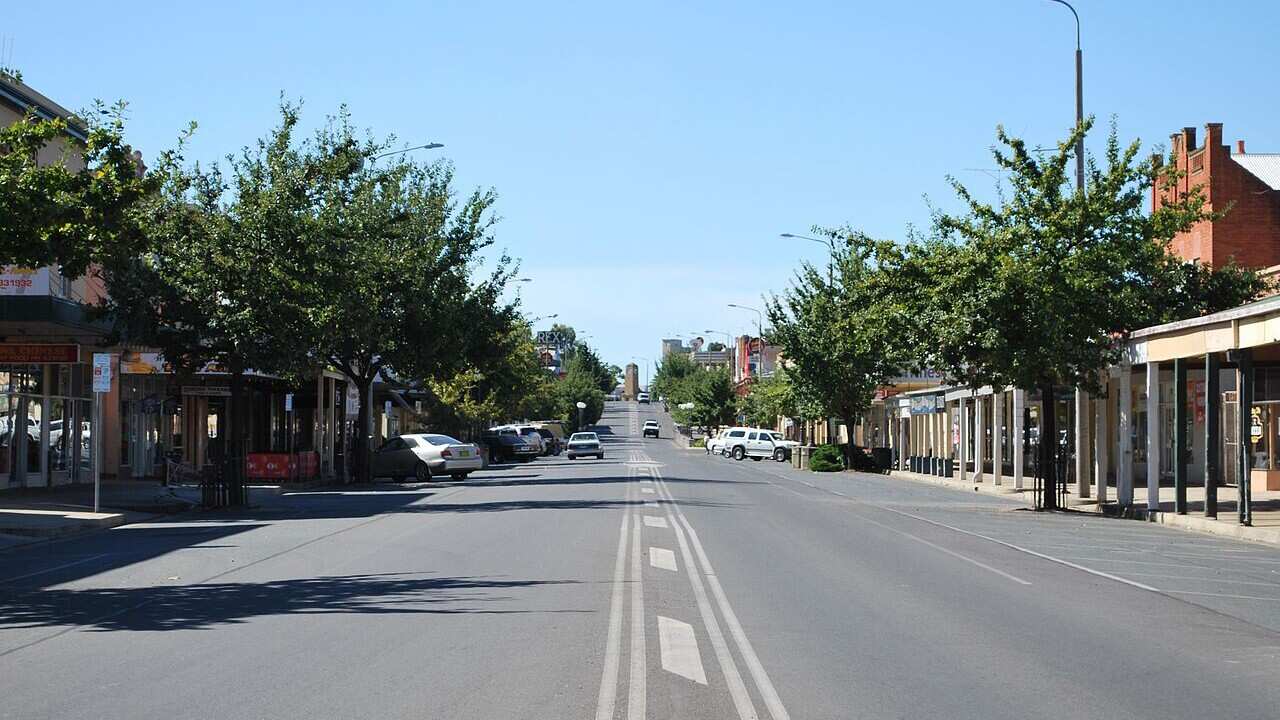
(657, 583)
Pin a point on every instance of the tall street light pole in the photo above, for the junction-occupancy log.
(829, 243)
(1048, 405)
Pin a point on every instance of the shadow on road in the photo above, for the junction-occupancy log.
(185, 607)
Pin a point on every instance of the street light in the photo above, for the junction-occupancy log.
(428, 146)
(581, 406)
(728, 341)
(829, 243)
(1079, 96)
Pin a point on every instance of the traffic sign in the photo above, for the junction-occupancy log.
(102, 372)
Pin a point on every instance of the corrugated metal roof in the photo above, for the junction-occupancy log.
(1265, 166)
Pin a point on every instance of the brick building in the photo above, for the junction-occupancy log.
(1246, 185)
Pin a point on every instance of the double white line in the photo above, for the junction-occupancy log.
(701, 576)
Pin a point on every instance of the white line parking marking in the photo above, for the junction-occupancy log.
(952, 553)
(647, 490)
(658, 522)
(680, 650)
(662, 558)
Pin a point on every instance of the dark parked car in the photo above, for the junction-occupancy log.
(550, 443)
(506, 446)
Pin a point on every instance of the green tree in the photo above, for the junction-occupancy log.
(1033, 290)
(711, 394)
(78, 210)
(576, 386)
(668, 378)
(833, 327)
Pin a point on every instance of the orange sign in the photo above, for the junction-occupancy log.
(20, 354)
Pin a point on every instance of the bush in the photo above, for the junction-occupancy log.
(698, 442)
(826, 458)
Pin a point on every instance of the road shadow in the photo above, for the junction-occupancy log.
(209, 605)
(506, 505)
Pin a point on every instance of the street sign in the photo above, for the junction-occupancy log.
(288, 402)
(102, 372)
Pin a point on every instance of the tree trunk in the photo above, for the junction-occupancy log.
(362, 448)
(1048, 447)
(234, 456)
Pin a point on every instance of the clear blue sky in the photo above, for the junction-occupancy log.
(648, 155)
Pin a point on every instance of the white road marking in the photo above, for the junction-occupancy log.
(636, 689)
(647, 490)
(765, 686)
(651, 503)
(680, 650)
(658, 522)
(81, 561)
(941, 549)
(1222, 595)
(662, 558)
(737, 688)
(609, 677)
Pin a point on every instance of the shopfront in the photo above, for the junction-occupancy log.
(45, 414)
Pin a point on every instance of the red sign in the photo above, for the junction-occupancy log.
(282, 466)
(20, 354)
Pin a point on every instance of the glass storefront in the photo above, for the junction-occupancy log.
(45, 428)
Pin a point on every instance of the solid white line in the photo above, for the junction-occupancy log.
(952, 553)
(662, 558)
(636, 690)
(1222, 595)
(679, 649)
(609, 677)
(651, 503)
(55, 567)
(733, 679)
(657, 522)
(647, 490)
(1033, 553)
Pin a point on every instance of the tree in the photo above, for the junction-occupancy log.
(1034, 290)
(667, 379)
(78, 210)
(770, 398)
(833, 327)
(576, 386)
(711, 394)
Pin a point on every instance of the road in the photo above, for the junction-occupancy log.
(657, 583)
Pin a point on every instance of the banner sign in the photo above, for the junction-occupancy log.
(16, 280)
(927, 404)
(33, 353)
(207, 390)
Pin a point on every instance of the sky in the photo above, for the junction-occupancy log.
(647, 156)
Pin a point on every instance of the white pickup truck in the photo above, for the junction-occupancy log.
(756, 443)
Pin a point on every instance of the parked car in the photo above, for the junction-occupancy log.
(650, 428)
(713, 443)
(754, 443)
(643, 398)
(723, 443)
(506, 445)
(550, 443)
(557, 433)
(585, 443)
(783, 448)
(533, 437)
(423, 455)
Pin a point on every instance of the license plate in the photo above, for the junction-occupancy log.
(464, 453)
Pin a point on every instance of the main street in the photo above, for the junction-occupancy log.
(657, 583)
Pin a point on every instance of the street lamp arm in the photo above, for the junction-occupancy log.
(1074, 14)
(428, 146)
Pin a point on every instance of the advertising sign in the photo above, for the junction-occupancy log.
(28, 354)
(288, 402)
(16, 280)
(102, 372)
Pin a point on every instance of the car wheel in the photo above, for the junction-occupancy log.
(779, 455)
(421, 472)
(739, 453)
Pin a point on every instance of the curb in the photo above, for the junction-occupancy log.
(982, 488)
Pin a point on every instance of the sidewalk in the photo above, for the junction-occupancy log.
(30, 515)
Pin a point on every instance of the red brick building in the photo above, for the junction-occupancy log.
(1246, 185)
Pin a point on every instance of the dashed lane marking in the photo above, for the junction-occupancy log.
(657, 522)
(680, 650)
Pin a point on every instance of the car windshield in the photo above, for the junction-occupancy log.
(441, 440)
(583, 436)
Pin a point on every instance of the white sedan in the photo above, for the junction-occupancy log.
(423, 455)
(585, 443)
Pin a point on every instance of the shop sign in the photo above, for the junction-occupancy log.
(207, 390)
(39, 353)
(353, 401)
(927, 404)
(142, 363)
(102, 372)
(16, 280)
